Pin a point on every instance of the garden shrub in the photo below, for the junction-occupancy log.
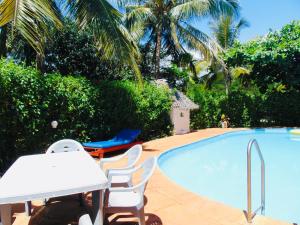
(20, 111)
(125, 104)
(281, 108)
(29, 102)
(209, 112)
(245, 108)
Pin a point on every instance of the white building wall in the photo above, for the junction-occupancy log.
(181, 120)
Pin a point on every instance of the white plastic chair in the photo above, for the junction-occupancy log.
(132, 155)
(130, 199)
(85, 220)
(65, 145)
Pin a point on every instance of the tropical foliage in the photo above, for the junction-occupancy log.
(32, 19)
(166, 25)
(84, 111)
(274, 59)
(69, 45)
(226, 29)
(265, 90)
(111, 37)
(245, 107)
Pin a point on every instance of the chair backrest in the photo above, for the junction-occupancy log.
(148, 168)
(134, 154)
(65, 145)
(127, 135)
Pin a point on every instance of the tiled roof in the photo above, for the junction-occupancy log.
(183, 102)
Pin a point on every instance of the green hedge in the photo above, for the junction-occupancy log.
(29, 102)
(245, 108)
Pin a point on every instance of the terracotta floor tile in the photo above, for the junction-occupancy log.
(156, 201)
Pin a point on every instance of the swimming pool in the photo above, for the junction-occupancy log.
(217, 168)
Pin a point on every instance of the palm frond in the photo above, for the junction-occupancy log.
(190, 8)
(197, 40)
(237, 72)
(198, 8)
(242, 23)
(7, 11)
(225, 29)
(136, 19)
(31, 18)
(106, 23)
(226, 7)
(175, 38)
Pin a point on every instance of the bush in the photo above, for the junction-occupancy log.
(29, 102)
(209, 112)
(245, 108)
(126, 105)
(281, 108)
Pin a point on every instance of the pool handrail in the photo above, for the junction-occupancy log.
(250, 215)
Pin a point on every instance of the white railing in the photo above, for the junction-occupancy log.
(249, 213)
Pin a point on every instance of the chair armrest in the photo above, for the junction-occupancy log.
(109, 160)
(116, 170)
(120, 189)
(119, 172)
(123, 172)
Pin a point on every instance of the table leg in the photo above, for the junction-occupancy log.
(5, 211)
(97, 202)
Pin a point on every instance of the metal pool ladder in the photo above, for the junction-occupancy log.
(249, 213)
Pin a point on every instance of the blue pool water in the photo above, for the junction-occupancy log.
(217, 168)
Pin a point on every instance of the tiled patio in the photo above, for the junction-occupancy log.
(166, 202)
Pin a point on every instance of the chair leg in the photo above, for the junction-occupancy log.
(141, 216)
(28, 208)
(6, 214)
(81, 199)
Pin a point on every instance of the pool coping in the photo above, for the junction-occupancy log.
(219, 135)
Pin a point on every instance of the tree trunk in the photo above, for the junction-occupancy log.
(227, 82)
(40, 62)
(157, 52)
(3, 38)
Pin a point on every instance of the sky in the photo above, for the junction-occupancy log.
(263, 15)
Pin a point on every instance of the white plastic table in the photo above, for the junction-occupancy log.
(51, 175)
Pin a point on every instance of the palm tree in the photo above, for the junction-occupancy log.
(166, 24)
(226, 29)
